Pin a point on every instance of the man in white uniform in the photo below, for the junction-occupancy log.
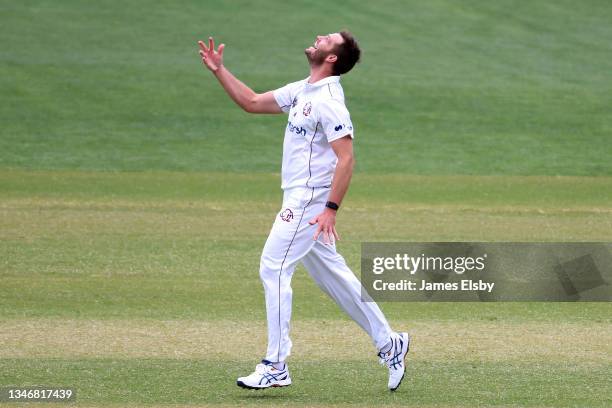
(316, 172)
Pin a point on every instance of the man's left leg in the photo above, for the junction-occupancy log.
(331, 273)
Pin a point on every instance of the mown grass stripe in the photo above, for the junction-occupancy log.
(428, 383)
(322, 340)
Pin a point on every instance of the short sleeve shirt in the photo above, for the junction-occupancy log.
(317, 117)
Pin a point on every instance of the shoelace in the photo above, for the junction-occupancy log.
(388, 357)
(384, 358)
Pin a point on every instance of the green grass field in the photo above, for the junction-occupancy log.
(135, 198)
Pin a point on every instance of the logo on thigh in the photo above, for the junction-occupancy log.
(286, 215)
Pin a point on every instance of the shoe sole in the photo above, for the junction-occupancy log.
(405, 354)
(249, 387)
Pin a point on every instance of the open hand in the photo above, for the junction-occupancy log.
(327, 226)
(212, 59)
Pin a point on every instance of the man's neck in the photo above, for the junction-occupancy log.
(318, 73)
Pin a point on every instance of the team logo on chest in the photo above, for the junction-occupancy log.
(286, 215)
(307, 109)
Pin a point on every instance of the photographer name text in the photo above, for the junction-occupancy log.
(409, 285)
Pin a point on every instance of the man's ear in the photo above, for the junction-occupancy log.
(331, 58)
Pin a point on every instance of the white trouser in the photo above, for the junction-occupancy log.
(291, 241)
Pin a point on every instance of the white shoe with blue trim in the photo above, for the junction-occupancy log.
(265, 376)
(395, 359)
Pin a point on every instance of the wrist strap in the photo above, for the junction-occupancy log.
(332, 205)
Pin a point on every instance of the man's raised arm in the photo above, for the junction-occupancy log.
(244, 96)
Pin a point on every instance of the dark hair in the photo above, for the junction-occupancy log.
(348, 54)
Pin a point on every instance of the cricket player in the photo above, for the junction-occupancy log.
(316, 171)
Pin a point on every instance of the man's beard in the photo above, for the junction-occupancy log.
(316, 58)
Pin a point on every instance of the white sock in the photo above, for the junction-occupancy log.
(386, 347)
(279, 366)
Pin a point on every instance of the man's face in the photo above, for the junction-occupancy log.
(323, 46)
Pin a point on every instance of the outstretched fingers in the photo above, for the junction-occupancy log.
(212, 59)
(202, 46)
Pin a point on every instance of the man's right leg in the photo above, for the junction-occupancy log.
(289, 240)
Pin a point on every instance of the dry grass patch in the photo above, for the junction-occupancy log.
(36, 218)
(572, 343)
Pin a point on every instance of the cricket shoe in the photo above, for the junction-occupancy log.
(395, 359)
(265, 376)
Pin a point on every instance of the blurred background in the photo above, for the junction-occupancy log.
(470, 87)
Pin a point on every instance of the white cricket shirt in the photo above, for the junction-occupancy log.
(317, 117)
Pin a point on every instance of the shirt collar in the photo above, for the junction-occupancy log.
(334, 79)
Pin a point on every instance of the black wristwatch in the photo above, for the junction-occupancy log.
(332, 205)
